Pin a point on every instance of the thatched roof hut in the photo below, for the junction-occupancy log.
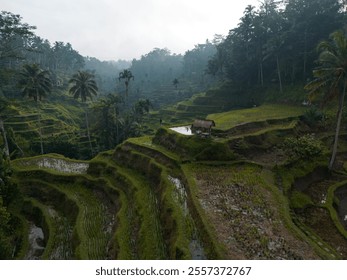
(203, 126)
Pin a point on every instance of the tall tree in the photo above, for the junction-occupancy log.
(331, 78)
(35, 83)
(107, 120)
(276, 42)
(195, 61)
(140, 108)
(12, 33)
(126, 75)
(84, 87)
(309, 22)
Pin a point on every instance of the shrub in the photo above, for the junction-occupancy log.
(302, 147)
(313, 117)
(216, 151)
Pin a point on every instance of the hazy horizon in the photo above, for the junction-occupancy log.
(113, 30)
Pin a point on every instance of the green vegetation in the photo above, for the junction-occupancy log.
(331, 75)
(228, 120)
(303, 147)
(331, 201)
(193, 147)
(145, 203)
(299, 200)
(111, 180)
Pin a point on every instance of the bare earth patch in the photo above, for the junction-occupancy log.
(244, 214)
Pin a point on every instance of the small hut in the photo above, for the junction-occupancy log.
(203, 127)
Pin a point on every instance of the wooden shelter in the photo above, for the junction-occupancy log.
(203, 127)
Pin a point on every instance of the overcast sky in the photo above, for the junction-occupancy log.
(127, 29)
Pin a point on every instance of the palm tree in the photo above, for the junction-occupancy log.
(114, 101)
(84, 87)
(35, 83)
(127, 76)
(331, 77)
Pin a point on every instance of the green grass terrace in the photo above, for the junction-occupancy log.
(230, 119)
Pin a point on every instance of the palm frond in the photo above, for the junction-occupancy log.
(84, 86)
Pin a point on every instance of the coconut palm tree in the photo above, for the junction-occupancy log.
(35, 83)
(331, 77)
(127, 76)
(84, 87)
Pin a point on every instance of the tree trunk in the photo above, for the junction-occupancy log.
(117, 129)
(40, 130)
(279, 74)
(261, 74)
(293, 73)
(338, 124)
(305, 55)
(3, 132)
(115, 111)
(88, 132)
(126, 88)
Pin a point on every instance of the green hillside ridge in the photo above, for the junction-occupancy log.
(219, 183)
(266, 112)
(90, 167)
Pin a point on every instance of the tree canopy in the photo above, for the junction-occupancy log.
(35, 82)
(330, 77)
(276, 43)
(83, 86)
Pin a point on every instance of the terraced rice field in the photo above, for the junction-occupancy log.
(175, 196)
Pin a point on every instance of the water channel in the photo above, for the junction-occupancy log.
(195, 246)
(36, 239)
(59, 165)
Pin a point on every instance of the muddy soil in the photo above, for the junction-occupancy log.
(245, 217)
(319, 220)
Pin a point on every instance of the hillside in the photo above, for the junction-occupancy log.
(58, 125)
(235, 195)
(221, 152)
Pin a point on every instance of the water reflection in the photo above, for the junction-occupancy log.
(36, 247)
(185, 130)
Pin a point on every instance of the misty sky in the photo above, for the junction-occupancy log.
(127, 29)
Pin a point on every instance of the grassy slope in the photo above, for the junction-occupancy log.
(162, 153)
(227, 120)
(59, 124)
